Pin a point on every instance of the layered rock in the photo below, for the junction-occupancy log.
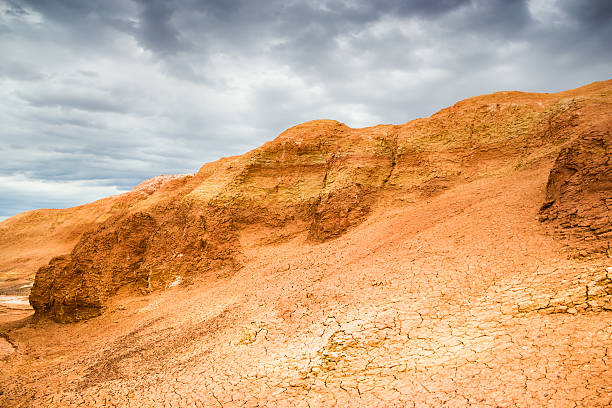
(318, 180)
(30, 240)
(579, 192)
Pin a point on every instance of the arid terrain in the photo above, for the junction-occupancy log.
(458, 260)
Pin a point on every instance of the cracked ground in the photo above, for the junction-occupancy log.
(463, 299)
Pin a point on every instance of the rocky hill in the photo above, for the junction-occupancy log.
(339, 264)
(29, 240)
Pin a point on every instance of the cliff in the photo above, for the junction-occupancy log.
(322, 178)
(461, 259)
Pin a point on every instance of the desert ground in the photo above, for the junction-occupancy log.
(470, 268)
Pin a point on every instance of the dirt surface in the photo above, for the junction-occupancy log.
(323, 178)
(578, 198)
(389, 266)
(31, 239)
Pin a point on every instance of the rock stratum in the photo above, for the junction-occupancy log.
(461, 259)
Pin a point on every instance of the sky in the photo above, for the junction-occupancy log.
(97, 96)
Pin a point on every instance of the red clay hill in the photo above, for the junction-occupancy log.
(461, 259)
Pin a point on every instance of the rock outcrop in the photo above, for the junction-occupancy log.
(30, 240)
(579, 192)
(321, 179)
(386, 266)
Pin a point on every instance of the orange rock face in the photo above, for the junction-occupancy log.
(456, 260)
(578, 198)
(323, 178)
(29, 240)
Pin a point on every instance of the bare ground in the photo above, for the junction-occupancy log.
(464, 299)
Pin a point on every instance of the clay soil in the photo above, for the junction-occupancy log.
(459, 296)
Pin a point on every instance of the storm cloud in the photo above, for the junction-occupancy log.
(98, 96)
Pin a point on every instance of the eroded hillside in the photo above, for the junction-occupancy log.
(29, 240)
(454, 260)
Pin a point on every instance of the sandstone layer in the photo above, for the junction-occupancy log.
(578, 198)
(457, 260)
(29, 240)
(323, 177)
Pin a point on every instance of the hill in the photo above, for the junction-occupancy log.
(458, 259)
(29, 240)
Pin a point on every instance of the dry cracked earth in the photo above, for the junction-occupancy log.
(458, 299)
(461, 301)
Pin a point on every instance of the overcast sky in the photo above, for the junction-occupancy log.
(96, 96)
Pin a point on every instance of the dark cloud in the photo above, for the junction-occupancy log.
(101, 95)
(13, 8)
(155, 29)
(505, 18)
(592, 15)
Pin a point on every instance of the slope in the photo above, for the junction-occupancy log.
(388, 266)
(29, 240)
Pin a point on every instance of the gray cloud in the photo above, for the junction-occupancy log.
(13, 8)
(91, 103)
(19, 71)
(155, 29)
(101, 95)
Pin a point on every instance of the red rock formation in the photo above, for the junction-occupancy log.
(323, 178)
(579, 192)
(386, 266)
(30, 240)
